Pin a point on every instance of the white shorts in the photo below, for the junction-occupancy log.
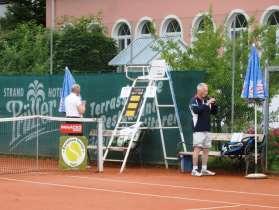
(202, 139)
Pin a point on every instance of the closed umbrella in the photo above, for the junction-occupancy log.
(68, 82)
(254, 91)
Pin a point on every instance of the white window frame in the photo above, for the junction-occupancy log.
(127, 38)
(266, 14)
(232, 17)
(165, 23)
(140, 24)
(196, 23)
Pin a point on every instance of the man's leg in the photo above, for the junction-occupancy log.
(205, 158)
(196, 153)
(196, 157)
(197, 140)
(207, 144)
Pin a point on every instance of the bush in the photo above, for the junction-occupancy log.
(24, 50)
(212, 51)
(23, 11)
(83, 46)
(273, 150)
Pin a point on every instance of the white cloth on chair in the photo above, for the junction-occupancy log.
(128, 133)
(236, 137)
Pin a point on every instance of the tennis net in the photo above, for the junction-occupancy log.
(31, 143)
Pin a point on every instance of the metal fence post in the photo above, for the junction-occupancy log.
(100, 163)
(37, 143)
(233, 76)
(266, 113)
(52, 28)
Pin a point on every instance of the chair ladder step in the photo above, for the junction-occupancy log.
(174, 127)
(172, 158)
(127, 122)
(113, 160)
(166, 105)
(117, 149)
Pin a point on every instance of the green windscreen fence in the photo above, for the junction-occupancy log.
(40, 95)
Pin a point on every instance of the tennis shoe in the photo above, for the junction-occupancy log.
(207, 173)
(196, 173)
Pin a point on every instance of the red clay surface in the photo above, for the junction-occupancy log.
(136, 188)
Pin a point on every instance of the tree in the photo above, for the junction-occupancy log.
(83, 46)
(24, 50)
(24, 11)
(212, 51)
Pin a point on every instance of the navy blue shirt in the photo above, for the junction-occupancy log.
(201, 112)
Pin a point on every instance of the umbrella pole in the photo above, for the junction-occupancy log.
(256, 139)
(256, 175)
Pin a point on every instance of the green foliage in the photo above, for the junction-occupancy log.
(24, 50)
(82, 45)
(212, 51)
(24, 11)
(273, 153)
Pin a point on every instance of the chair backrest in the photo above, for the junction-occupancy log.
(157, 69)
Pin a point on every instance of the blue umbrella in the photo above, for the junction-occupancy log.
(68, 82)
(254, 90)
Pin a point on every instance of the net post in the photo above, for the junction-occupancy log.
(100, 163)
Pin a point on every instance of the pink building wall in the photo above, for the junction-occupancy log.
(133, 11)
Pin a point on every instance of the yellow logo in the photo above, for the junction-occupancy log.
(73, 152)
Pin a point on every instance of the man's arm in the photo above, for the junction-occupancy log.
(80, 107)
(213, 106)
(198, 108)
(214, 109)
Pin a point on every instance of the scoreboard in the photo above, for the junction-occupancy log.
(134, 102)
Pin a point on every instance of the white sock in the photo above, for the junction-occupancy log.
(204, 167)
(195, 168)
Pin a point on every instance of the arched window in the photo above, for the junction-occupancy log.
(95, 26)
(273, 18)
(145, 27)
(270, 16)
(171, 27)
(237, 23)
(122, 34)
(199, 24)
(124, 30)
(202, 24)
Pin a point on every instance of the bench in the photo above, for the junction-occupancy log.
(186, 157)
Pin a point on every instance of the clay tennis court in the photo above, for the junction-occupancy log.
(136, 188)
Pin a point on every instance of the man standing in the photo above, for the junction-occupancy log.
(201, 107)
(74, 107)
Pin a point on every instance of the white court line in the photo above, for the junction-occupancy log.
(133, 193)
(216, 207)
(177, 186)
